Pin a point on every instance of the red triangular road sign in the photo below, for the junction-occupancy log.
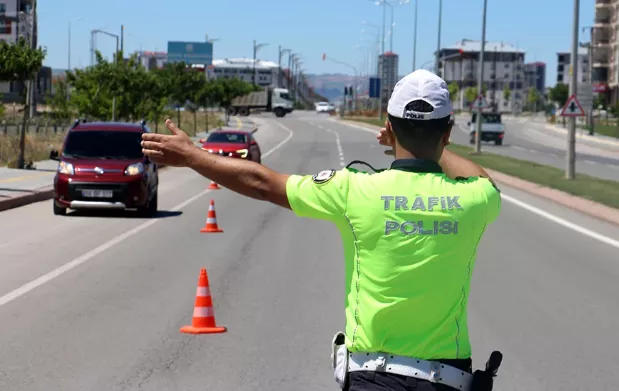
(572, 108)
(480, 102)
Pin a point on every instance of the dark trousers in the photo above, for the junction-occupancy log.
(382, 381)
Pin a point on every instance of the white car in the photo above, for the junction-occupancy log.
(323, 107)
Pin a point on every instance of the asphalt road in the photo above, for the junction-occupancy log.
(533, 141)
(94, 302)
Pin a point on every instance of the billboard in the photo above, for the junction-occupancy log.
(374, 87)
(191, 52)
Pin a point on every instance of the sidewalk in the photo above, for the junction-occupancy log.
(23, 187)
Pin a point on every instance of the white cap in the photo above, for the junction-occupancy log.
(420, 85)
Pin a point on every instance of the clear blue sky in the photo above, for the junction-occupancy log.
(541, 27)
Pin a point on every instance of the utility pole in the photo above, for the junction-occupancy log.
(33, 45)
(381, 60)
(480, 82)
(253, 78)
(571, 134)
(438, 45)
(415, 37)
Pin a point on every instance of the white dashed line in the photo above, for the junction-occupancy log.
(590, 162)
(518, 147)
(338, 142)
(532, 150)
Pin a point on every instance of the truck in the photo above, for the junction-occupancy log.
(492, 129)
(275, 100)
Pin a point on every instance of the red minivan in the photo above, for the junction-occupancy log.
(102, 167)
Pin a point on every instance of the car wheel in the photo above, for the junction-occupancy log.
(150, 209)
(498, 142)
(58, 211)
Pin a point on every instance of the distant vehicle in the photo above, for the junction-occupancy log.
(323, 107)
(492, 129)
(276, 100)
(102, 167)
(233, 143)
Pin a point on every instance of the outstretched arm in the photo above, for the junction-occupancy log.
(244, 177)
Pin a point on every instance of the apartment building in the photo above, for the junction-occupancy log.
(503, 67)
(152, 60)
(605, 52)
(564, 64)
(16, 21)
(388, 64)
(535, 76)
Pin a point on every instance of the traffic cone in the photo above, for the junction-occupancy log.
(211, 220)
(203, 321)
(214, 186)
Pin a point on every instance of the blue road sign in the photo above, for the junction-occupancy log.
(374, 87)
(192, 53)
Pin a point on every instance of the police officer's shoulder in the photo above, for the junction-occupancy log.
(475, 179)
(323, 176)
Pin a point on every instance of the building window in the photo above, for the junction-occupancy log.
(5, 27)
(2, 9)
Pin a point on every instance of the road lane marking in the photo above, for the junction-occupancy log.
(37, 282)
(542, 213)
(338, 143)
(560, 221)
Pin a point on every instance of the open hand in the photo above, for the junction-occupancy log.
(171, 150)
(385, 137)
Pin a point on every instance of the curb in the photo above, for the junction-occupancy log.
(561, 130)
(41, 194)
(583, 205)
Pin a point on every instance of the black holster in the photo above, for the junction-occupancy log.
(484, 380)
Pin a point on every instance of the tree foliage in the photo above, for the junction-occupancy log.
(559, 94)
(142, 94)
(507, 92)
(453, 88)
(19, 62)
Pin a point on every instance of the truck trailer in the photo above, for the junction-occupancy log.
(275, 100)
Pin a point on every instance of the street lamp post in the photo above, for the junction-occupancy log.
(438, 42)
(257, 46)
(96, 31)
(571, 135)
(279, 69)
(480, 82)
(415, 37)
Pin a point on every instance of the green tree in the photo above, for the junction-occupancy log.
(179, 78)
(533, 99)
(507, 93)
(228, 89)
(60, 102)
(559, 94)
(454, 88)
(20, 62)
(158, 93)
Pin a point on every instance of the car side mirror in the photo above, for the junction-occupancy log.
(202, 141)
(53, 155)
(253, 142)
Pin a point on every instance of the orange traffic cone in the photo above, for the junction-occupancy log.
(203, 315)
(214, 186)
(211, 220)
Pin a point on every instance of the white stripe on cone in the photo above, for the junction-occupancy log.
(203, 312)
(203, 291)
(211, 220)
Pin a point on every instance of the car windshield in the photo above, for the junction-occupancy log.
(285, 95)
(103, 144)
(234, 138)
(323, 104)
(488, 118)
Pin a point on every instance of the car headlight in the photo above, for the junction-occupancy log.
(243, 153)
(66, 168)
(134, 169)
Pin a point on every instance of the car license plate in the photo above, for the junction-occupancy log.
(98, 193)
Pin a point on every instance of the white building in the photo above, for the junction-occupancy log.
(564, 63)
(503, 67)
(266, 71)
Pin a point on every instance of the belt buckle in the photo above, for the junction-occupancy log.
(380, 364)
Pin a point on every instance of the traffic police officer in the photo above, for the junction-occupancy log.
(410, 237)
